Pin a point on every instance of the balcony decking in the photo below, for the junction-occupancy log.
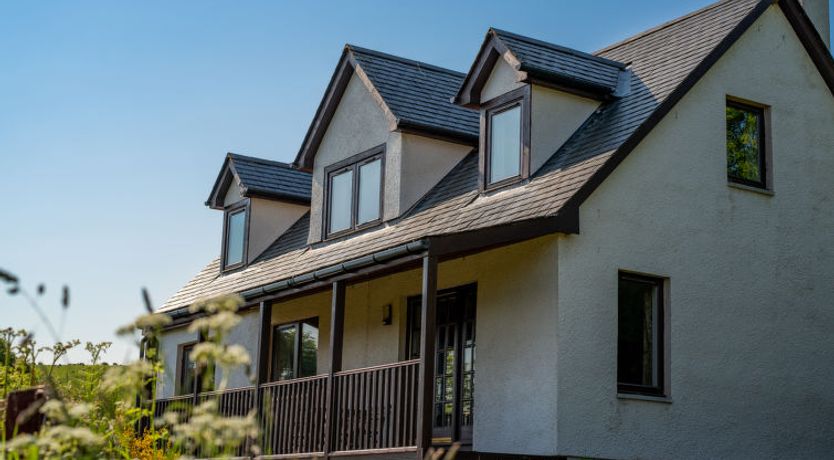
(369, 410)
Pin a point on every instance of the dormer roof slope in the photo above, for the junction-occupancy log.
(418, 94)
(666, 61)
(262, 178)
(544, 63)
(415, 96)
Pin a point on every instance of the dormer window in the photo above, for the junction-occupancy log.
(506, 139)
(234, 236)
(354, 193)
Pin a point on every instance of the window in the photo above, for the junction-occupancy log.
(505, 137)
(234, 240)
(295, 349)
(505, 144)
(746, 155)
(354, 193)
(187, 372)
(640, 338)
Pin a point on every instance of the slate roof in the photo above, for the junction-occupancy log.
(661, 60)
(269, 178)
(417, 93)
(543, 57)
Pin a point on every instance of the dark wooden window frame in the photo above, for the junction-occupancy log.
(353, 164)
(272, 351)
(661, 389)
(240, 206)
(181, 351)
(519, 97)
(763, 112)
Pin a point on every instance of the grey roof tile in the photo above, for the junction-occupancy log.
(559, 60)
(272, 178)
(417, 92)
(660, 59)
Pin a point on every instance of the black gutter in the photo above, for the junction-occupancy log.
(378, 257)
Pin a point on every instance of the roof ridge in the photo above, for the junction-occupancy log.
(661, 26)
(556, 47)
(233, 156)
(404, 60)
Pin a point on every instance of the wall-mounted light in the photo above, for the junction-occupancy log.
(386, 315)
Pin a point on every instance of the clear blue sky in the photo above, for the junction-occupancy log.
(115, 116)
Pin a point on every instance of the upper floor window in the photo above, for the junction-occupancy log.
(354, 193)
(640, 335)
(234, 236)
(746, 152)
(505, 138)
(295, 349)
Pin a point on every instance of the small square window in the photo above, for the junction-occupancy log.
(640, 335)
(746, 155)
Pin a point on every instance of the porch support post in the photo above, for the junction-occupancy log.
(425, 395)
(262, 363)
(199, 373)
(337, 332)
(262, 360)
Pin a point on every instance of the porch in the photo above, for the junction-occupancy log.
(394, 345)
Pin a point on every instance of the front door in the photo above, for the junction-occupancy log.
(454, 361)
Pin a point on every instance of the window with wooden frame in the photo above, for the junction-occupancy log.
(235, 235)
(353, 193)
(505, 139)
(295, 349)
(747, 153)
(640, 335)
(187, 371)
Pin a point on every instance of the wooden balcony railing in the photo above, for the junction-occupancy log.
(376, 408)
(373, 409)
(294, 416)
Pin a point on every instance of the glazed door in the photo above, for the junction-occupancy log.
(454, 362)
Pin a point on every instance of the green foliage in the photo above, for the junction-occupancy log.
(743, 147)
(93, 410)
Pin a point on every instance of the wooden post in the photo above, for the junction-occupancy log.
(198, 374)
(264, 338)
(337, 332)
(262, 363)
(428, 322)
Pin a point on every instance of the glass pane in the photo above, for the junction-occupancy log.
(309, 348)
(370, 176)
(743, 149)
(189, 368)
(505, 144)
(234, 237)
(283, 349)
(341, 201)
(636, 363)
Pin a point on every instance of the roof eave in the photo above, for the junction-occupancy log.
(436, 132)
(568, 83)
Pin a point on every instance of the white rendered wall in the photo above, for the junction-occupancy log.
(268, 220)
(554, 117)
(502, 79)
(751, 275)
